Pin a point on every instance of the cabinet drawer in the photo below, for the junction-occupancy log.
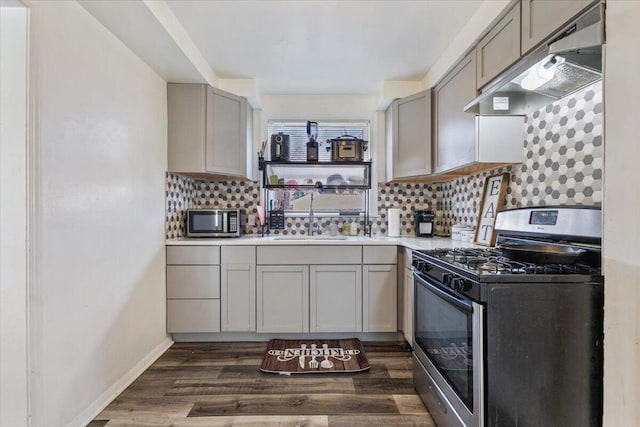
(193, 255)
(281, 255)
(379, 255)
(193, 315)
(238, 255)
(193, 281)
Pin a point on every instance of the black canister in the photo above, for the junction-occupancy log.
(425, 223)
(312, 145)
(280, 147)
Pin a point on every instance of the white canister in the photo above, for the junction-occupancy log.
(456, 231)
(393, 222)
(468, 234)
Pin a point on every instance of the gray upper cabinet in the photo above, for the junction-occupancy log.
(499, 48)
(540, 18)
(207, 130)
(409, 136)
(454, 129)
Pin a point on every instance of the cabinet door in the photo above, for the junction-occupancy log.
(193, 315)
(455, 129)
(193, 281)
(541, 18)
(500, 48)
(186, 116)
(283, 298)
(238, 297)
(336, 298)
(411, 136)
(379, 298)
(226, 143)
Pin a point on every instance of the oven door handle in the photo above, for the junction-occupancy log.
(453, 299)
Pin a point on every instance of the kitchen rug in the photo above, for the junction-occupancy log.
(314, 356)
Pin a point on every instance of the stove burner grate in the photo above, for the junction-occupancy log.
(491, 261)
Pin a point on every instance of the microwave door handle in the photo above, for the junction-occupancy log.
(452, 299)
(216, 221)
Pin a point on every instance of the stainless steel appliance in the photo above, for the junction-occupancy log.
(347, 148)
(425, 223)
(280, 146)
(213, 223)
(500, 342)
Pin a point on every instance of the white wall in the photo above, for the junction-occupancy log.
(13, 216)
(100, 146)
(487, 13)
(621, 214)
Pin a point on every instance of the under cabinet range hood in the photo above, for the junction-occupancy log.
(561, 66)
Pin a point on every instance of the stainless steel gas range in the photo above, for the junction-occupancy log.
(513, 335)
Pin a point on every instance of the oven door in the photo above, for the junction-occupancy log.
(448, 342)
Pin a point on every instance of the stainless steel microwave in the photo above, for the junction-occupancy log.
(213, 223)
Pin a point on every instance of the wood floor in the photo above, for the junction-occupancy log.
(219, 384)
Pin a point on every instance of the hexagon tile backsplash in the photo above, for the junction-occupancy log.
(563, 155)
(562, 165)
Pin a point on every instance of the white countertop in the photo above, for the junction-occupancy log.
(408, 242)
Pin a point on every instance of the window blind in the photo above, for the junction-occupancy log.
(297, 132)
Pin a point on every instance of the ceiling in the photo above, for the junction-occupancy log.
(297, 46)
(322, 47)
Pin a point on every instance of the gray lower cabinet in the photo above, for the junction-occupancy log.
(238, 289)
(379, 298)
(335, 298)
(193, 289)
(282, 298)
(207, 130)
(499, 48)
(541, 18)
(408, 135)
(250, 289)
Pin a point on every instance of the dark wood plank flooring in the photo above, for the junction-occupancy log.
(220, 384)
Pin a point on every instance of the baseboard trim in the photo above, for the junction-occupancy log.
(264, 337)
(98, 405)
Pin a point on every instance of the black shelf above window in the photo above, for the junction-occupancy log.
(305, 175)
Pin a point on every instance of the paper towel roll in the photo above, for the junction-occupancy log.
(393, 222)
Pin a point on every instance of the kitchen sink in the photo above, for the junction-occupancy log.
(310, 238)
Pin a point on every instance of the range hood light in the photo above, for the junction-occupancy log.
(541, 73)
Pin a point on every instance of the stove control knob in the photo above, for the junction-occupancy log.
(459, 284)
(446, 278)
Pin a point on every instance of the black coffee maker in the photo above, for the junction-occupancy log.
(425, 223)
